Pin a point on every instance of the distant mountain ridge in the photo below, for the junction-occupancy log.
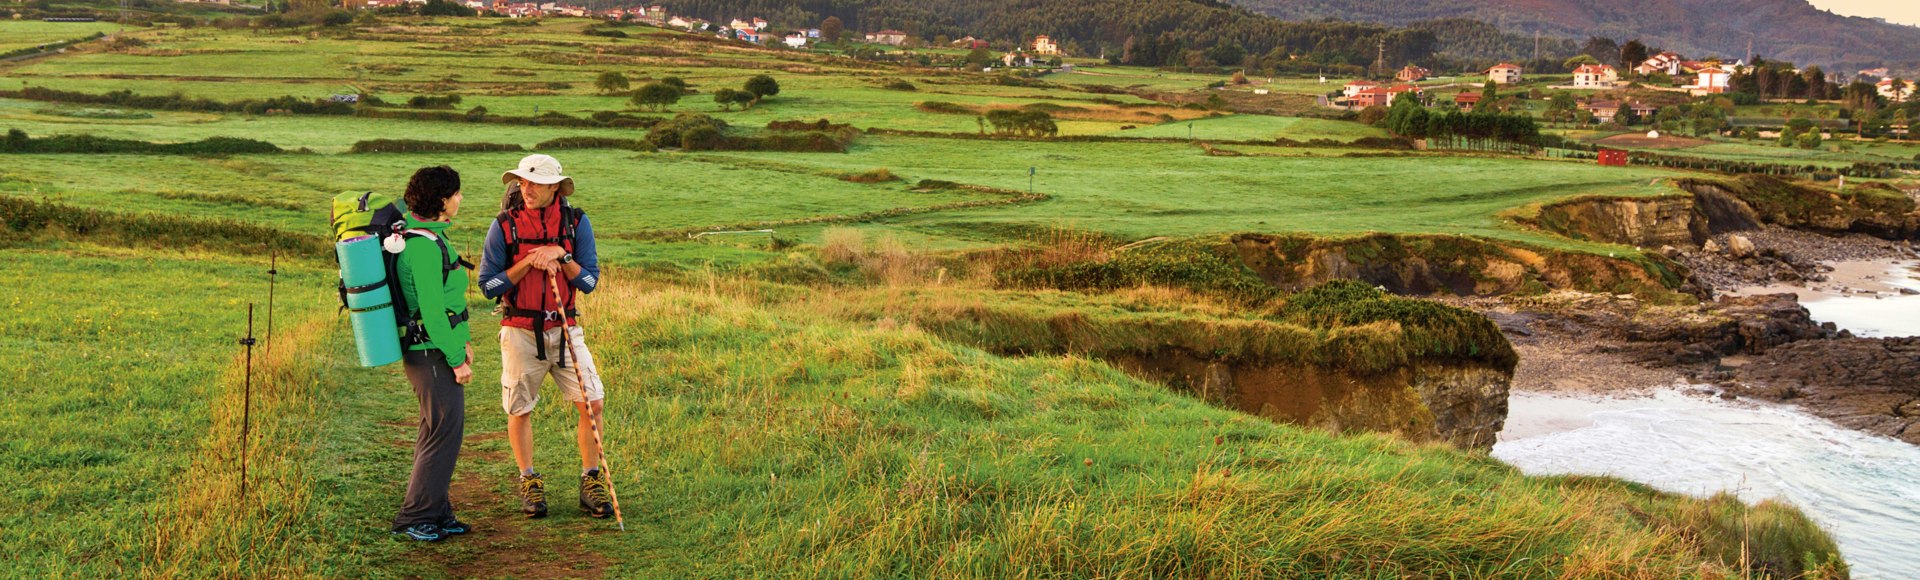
(1791, 30)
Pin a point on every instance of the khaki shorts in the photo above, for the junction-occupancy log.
(521, 373)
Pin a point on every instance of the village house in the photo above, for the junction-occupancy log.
(1595, 76)
(969, 43)
(796, 39)
(1876, 73)
(747, 34)
(1605, 111)
(739, 24)
(1895, 90)
(887, 37)
(1467, 101)
(681, 22)
(759, 24)
(614, 14)
(1712, 81)
(1667, 63)
(1354, 88)
(1412, 74)
(1504, 73)
(655, 13)
(1044, 46)
(1381, 96)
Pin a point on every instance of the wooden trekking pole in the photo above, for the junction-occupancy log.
(246, 404)
(593, 419)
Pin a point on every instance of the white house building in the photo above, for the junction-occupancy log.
(1595, 76)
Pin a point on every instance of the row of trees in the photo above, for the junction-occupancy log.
(1481, 129)
(1022, 122)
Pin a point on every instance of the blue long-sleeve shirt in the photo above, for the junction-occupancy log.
(495, 261)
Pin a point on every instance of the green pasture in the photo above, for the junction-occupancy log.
(30, 33)
(1258, 128)
(1143, 190)
(116, 361)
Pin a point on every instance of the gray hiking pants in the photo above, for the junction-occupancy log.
(443, 422)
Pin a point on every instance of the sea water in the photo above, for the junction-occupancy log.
(1863, 489)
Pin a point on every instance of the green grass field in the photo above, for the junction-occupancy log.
(27, 34)
(756, 428)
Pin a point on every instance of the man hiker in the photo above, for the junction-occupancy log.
(537, 238)
(438, 357)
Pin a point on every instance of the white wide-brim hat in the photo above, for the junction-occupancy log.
(541, 169)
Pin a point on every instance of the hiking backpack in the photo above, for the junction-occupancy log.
(370, 230)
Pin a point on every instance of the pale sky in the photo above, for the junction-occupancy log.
(1898, 11)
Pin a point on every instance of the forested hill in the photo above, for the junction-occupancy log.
(1149, 32)
(1791, 30)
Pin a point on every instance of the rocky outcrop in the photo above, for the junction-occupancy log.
(1867, 384)
(1749, 200)
(1454, 265)
(1465, 405)
(1647, 222)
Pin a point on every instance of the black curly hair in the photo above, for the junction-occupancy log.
(429, 189)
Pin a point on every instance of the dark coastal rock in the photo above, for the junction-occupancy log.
(1869, 384)
(1728, 326)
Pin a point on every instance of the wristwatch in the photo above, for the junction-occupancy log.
(565, 258)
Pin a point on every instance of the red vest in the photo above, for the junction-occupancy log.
(526, 231)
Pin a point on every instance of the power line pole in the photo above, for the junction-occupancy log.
(1380, 62)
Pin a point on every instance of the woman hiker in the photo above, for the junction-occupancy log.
(537, 244)
(433, 279)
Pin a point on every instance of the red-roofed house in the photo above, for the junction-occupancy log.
(747, 34)
(1594, 76)
(1667, 63)
(1354, 88)
(1412, 74)
(1370, 97)
(1504, 73)
(1467, 101)
(1712, 81)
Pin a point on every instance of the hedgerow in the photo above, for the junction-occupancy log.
(18, 141)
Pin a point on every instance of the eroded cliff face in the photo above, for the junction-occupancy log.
(1461, 404)
(1454, 265)
(1640, 222)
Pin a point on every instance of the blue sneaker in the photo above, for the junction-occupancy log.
(453, 527)
(422, 532)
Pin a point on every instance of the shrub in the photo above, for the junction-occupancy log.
(426, 102)
(611, 82)
(842, 246)
(762, 86)
(900, 85)
(881, 175)
(656, 96)
(943, 107)
(668, 133)
(817, 125)
(701, 139)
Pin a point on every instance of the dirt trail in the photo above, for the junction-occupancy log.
(503, 543)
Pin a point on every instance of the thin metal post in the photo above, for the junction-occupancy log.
(246, 405)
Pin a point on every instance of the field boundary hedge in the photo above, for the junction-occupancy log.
(20, 214)
(17, 141)
(421, 146)
(1014, 198)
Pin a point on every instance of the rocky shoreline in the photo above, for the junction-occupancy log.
(1762, 345)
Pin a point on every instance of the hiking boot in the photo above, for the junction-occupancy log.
(533, 496)
(594, 498)
(422, 532)
(453, 527)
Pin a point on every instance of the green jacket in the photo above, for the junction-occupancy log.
(430, 288)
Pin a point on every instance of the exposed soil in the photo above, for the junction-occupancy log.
(501, 542)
